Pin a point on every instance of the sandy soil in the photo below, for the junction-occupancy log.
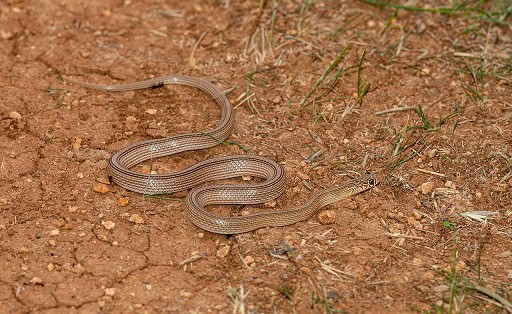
(407, 246)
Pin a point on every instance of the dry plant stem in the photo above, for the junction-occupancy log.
(393, 110)
(192, 59)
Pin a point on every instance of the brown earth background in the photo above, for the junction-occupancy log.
(70, 242)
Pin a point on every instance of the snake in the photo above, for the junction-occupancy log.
(197, 179)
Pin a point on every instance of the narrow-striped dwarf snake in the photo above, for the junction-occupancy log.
(195, 177)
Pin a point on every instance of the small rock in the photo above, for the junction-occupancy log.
(288, 240)
(78, 269)
(136, 218)
(36, 281)
(246, 178)
(271, 204)
(52, 242)
(200, 235)
(416, 215)
(428, 275)
(450, 185)
(149, 287)
(417, 261)
(123, 201)
(109, 225)
(432, 153)
(185, 294)
(327, 217)
(106, 12)
(6, 34)
(73, 209)
(478, 195)
(276, 100)
(411, 220)
(66, 266)
(24, 267)
(223, 251)
(461, 265)
(103, 179)
(51, 266)
(100, 188)
(110, 292)
(350, 204)
(91, 155)
(151, 111)
(440, 288)
(54, 232)
(504, 254)
(14, 115)
(77, 144)
(417, 225)
(305, 270)
(427, 187)
(248, 260)
(356, 251)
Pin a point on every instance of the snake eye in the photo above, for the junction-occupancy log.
(371, 182)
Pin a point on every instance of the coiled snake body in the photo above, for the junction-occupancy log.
(194, 177)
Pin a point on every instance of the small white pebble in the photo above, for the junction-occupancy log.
(109, 225)
(248, 260)
(223, 251)
(14, 115)
(327, 217)
(110, 291)
(136, 218)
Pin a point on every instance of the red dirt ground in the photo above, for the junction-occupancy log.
(403, 247)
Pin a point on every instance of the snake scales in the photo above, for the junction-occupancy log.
(195, 177)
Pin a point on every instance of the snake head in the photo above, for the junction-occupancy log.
(372, 180)
(368, 181)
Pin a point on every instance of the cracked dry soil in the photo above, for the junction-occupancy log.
(66, 248)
